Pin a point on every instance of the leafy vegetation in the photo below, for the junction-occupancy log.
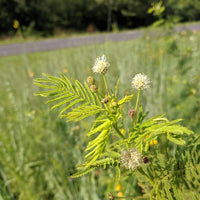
(39, 151)
(125, 151)
(51, 16)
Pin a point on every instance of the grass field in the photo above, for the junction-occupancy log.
(39, 151)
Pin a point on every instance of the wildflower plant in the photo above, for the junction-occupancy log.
(160, 153)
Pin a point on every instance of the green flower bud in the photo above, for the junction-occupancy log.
(90, 80)
(113, 104)
(93, 88)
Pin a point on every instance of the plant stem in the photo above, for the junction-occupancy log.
(129, 197)
(118, 131)
(104, 78)
(137, 102)
(136, 107)
(107, 108)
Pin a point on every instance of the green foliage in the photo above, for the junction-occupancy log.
(154, 127)
(47, 17)
(157, 9)
(71, 93)
(186, 9)
(108, 147)
(39, 151)
(6, 15)
(173, 175)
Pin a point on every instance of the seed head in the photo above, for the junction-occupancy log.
(141, 81)
(131, 159)
(101, 65)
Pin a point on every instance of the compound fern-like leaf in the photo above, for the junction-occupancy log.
(67, 93)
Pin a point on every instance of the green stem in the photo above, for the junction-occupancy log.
(136, 107)
(129, 197)
(118, 131)
(104, 78)
(108, 109)
(100, 94)
(141, 171)
(137, 101)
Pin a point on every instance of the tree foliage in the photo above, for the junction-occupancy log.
(47, 15)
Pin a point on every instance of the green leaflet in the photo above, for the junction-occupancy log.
(125, 99)
(107, 123)
(103, 162)
(71, 104)
(117, 176)
(67, 93)
(45, 86)
(91, 96)
(178, 141)
(152, 120)
(81, 90)
(49, 93)
(98, 163)
(147, 175)
(96, 147)
(177, 193)
(62, 96)
(83, 172)
(65, 101)
(97, 140)
(167, 190)
(99, 120)
(112, 154)
(155, 127)
(82, 112)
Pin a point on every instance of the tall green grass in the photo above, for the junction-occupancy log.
(38, 151)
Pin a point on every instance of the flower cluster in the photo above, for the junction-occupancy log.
(15, 24)
(131, 159)
(140, 81)
(101, 65)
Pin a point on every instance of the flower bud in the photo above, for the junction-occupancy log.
(113, 104)
(111, 197)
(105, 100)
(93, 88)
(145, 159)
(90, 80)
(131, 113)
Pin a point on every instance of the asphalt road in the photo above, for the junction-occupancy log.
(53, 44)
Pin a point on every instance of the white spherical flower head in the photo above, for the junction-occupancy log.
(101, 65)
(131, 159)
(141, 81)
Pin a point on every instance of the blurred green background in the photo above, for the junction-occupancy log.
(38, 150)
(49, 17)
